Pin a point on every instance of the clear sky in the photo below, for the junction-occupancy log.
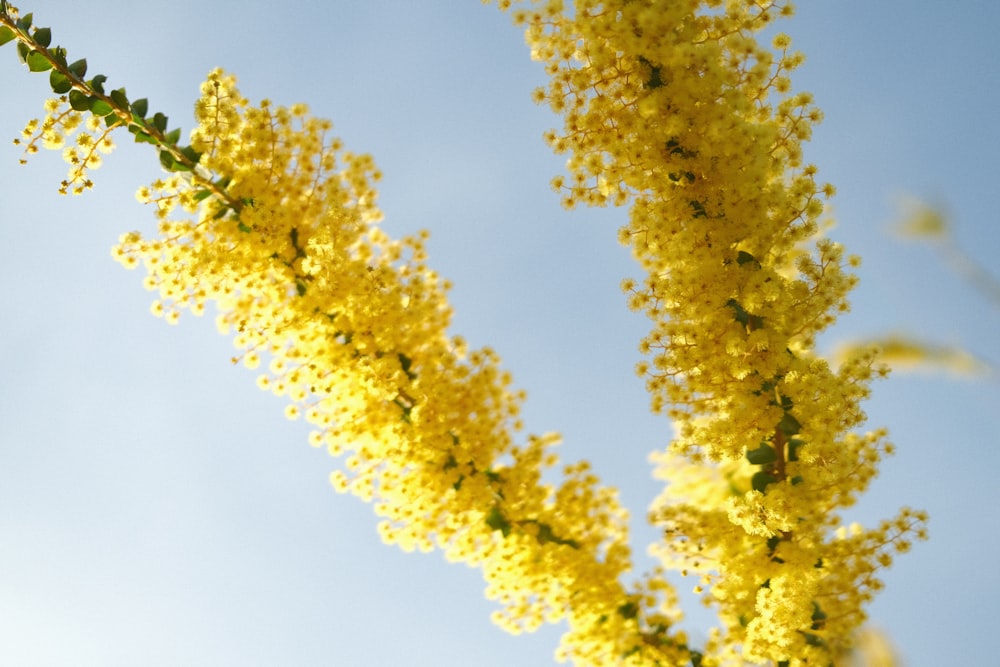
(157, 509)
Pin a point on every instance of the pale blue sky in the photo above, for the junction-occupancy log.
(157, 509)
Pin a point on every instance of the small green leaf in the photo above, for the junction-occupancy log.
(79, 68)
(763, 455)
(160, 122)
(99, 107)
(628, 610)
(140, 107)
(166, 159)
(173, 136)
(818, 616)
(793, 448)
(59, 55)
(179, 166)
(789, 425)
(60, 84)
(119, 98)
(78, 101)
(813, 640)
(243, 227)
(405, 362)
(22, 51)
(698, 209)
(43, 36)
(191, 154)
(202, 194)
(743, 257)
(24, 23)
(739, 313)
(37, 62)
(300, 289)
(497, 521)
(761, 480)
(97, 83)
(6, 35)
(143, 138)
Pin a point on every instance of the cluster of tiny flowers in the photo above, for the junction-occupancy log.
(60, 124)
(351, 327)
(676, 109)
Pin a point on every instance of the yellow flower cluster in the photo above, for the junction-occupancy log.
(351, 327)
(61, 123)
(672, 107)
(676, 108)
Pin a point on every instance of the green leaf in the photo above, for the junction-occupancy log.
(405, 362)
(789, 425)
(97, 83)
(818, 616)
(628, 610)
(60, 84)
(743, 257)
(160, 122)
(173, 136)
(119, 98)
(763, 455)
(190, 153)
(140, 107)
(37, 62)
(300, 289)
(813, 640)
(24, 23)
(6, 35)
(78, 101)
(179, 166)
(43, 36)
(22, 51)
(546, 535)
(497, 521)
(143, 138)
(59, 55)
(99, 107)
(793, 448)
(739, 312)
(166, 159)
(761, 480)
(202, 194)
(79, 68)
(243, 227)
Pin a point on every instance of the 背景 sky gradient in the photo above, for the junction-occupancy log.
(157, 509)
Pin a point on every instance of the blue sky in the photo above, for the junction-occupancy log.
(157, 509)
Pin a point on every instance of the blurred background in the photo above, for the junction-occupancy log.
(157, 509)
